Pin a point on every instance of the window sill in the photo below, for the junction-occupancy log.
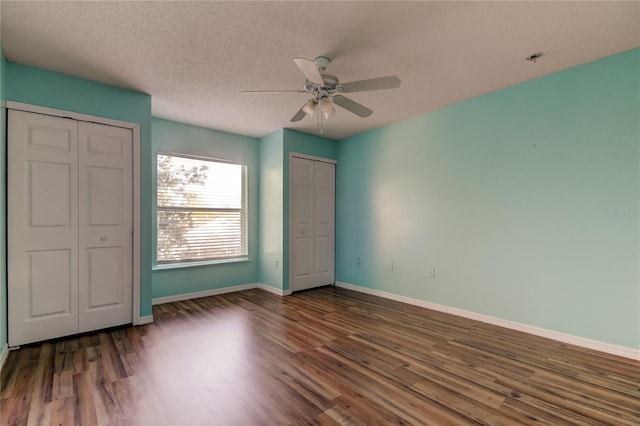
(166, 266)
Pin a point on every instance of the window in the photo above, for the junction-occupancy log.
(202, 209)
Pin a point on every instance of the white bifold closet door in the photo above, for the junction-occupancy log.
(313, 223)
(70, 226)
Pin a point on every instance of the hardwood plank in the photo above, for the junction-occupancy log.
(146, 409)
(17, 372)
(63, 411)
(406, 404)
(327, 356)
(42, 386)
(85, 408)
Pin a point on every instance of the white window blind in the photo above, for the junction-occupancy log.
(202, 209)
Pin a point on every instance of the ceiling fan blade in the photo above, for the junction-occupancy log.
(299, 115)
(267, 92)
(309, 69)
(352, 106)
(389, 82)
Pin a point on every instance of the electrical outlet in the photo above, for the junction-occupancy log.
(432, 274)
(357, 261)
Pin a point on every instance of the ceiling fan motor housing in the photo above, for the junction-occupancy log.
(329, 87)
(330, 81)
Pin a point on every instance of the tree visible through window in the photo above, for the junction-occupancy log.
(202, 211)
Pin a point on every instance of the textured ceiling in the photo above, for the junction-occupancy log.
(195, 58)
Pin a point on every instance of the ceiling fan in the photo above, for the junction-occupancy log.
(326, 91)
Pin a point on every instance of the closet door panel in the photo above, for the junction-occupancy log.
(42, 229)
(302, 220)
(48, 300)
(104, 272)
(106, 226)
(324, 223)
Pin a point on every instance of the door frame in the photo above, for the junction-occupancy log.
(293, 155)
(135, 128)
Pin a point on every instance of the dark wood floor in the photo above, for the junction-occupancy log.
(327, 356)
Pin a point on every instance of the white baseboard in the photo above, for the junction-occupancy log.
(146, 319)
(205, 293)
(3, 356)
(538, 331)
(270, 289)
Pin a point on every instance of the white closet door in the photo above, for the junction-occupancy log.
(324, 223)
(106, 226)
(313, 223)
(42, 227)
(302, 219)
(70, 227)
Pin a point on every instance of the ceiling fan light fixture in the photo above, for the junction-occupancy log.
(327, 108)
(309, 108)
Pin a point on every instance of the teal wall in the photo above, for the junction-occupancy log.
(525, 201)
(274, 198)
(50, 89)
(171, 136)
(301, 143)
(271, 209)
(3, 202)
(304, 143)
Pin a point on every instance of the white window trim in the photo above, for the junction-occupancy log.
(195, 264)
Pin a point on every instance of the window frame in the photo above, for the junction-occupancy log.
(243, 210)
